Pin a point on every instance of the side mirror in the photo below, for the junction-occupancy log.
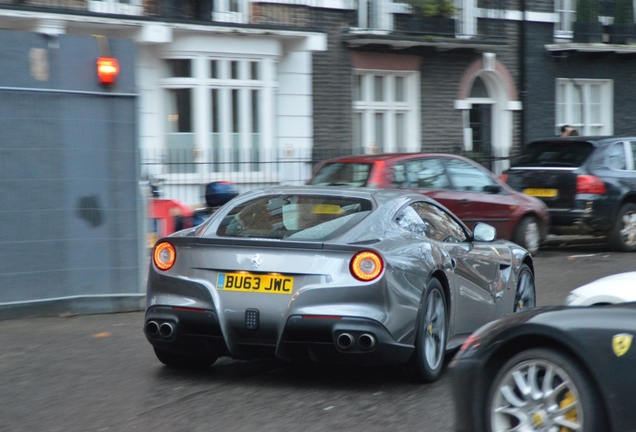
(492, 189)
(484, 232)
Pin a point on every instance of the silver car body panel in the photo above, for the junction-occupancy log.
(481, 276)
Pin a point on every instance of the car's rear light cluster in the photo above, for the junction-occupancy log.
(589, 184)
(504, 178)
(366, 266)
(164, 256)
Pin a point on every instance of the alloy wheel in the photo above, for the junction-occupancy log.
(628, 231)
(435, 327)
(536, 395)
(525, 296)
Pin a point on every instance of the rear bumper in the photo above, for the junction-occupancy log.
(345, 340)
(590, 214)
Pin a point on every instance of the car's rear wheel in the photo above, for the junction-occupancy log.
(425, 365)
(526, 293)
(622, 236)
(184, 361)
(543, 390)
(528, 234)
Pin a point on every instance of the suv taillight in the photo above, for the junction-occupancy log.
(589, 184)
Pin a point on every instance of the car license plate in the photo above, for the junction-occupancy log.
(541, 192)
(246, 282)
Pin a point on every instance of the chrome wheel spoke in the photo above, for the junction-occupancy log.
(536, 395)
(435, 323)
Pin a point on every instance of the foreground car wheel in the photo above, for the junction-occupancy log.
(543, 390)
(183, 361)
(426, 363)
(525, 296)
(622, 237)
(528, 234)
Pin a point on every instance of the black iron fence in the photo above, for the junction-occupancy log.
(183, 174)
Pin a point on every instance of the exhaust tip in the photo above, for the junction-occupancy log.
(152, 328)
(366, 341)
(345, 340)
(166, 330)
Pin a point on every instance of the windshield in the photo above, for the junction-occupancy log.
(554, 154)
(342, 174)
(294, 217)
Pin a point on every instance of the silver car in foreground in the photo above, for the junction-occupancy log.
(363, 276)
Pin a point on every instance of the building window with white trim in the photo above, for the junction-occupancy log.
(214, 112)
(566, 14)
(385, 111)
(234, 11)
(587, 105)
(120, 7)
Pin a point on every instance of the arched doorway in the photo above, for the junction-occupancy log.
(487, 98)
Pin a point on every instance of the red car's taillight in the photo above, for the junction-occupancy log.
(164, 256)
(589, 184)
(366, 266)
(504, 178)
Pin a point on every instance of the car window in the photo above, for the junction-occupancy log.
(554, 154)
(615, 156)
(431, 221)
(298, 217)
(342, 174)
(633, 146)
(419, 174)
(466, 177)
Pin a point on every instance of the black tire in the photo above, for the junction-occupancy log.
(569, 381)
(528, 234)
(525, 293)
(427, 361)
(622, 236)
(182, 361)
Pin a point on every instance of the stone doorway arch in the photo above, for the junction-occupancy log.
(487, 92)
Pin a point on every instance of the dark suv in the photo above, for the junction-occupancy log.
(588, 184)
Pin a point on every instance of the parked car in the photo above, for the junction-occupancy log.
(465, 187)
(588, 184)
(556, 368)
(338, 275)
(617, 288)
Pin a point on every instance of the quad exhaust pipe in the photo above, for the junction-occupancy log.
(345, 341)
(366, 341)
(164, 330)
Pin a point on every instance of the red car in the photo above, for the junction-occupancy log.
(463, 186)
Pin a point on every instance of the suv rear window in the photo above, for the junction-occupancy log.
(294, 217)
(342, 174)
(554, 154)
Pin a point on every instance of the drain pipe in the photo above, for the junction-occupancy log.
(522, 73)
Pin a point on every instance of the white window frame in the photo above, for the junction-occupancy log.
(232, 11)
(247, 165)
(565, 11)
(367, 109)
(375, 14)
(566, 101)
(120, 7)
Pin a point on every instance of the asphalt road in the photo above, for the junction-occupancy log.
(98, 373)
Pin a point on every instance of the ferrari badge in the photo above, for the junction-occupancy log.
(621, 343)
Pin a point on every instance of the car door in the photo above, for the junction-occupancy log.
(476, 196)
(476, 279)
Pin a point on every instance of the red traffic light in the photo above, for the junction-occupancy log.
(107, 70)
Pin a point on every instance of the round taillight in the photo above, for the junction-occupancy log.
(366, 266)
(164, 256)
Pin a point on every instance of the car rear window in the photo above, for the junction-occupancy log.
(294, 217)
(342, 174)
(554, 154)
